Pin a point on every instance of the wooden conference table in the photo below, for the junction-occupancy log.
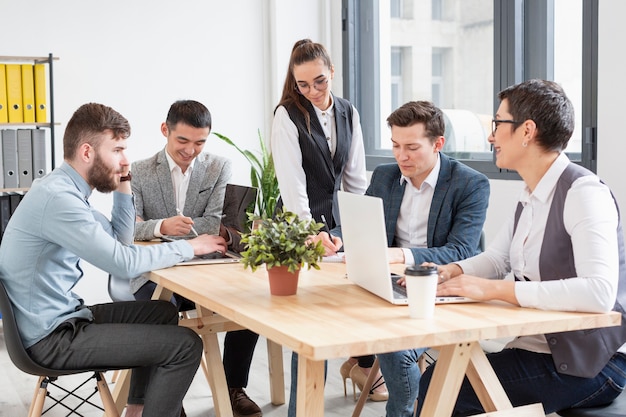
(330, 317)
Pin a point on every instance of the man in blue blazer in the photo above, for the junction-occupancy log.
(435, 208)
(179, 192)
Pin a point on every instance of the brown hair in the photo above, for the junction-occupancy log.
(415, 112)
(88, 122)
(305, 50)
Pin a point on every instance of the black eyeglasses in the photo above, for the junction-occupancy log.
(495, 123)
(319, 85)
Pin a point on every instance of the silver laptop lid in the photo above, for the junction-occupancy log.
(365, 244)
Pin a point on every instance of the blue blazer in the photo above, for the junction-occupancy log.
(457, 212)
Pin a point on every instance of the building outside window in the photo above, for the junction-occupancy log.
(459, 54)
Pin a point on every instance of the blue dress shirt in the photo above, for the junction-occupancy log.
(53, 228)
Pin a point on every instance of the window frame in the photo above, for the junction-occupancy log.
(513, 63)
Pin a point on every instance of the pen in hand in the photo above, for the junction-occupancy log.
(326, 228)
(192, 229)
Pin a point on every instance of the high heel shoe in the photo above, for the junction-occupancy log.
(344, 370)
(358, 378)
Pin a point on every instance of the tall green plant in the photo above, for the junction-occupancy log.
(262, 176)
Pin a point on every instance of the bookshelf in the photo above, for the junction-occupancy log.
(27, 112)
(50, 122)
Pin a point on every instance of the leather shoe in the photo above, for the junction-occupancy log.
(242, 405)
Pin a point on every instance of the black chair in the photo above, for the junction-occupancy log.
(616, 409)
(20, 358)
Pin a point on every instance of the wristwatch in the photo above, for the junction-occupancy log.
(128, 177)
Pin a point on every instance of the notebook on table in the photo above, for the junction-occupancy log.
(365, 247)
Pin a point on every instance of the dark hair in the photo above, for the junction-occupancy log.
(305, 50)
(88, 123)
(189, 112)
(415, 112)
(545, 103)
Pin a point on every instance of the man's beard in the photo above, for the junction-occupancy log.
(101, 177)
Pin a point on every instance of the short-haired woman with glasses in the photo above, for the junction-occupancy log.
(564, 246)
(317, 146)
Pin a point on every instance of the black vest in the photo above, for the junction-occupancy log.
(580, 353)
(323, 172)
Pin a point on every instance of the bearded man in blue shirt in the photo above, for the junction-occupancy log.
(55, 227)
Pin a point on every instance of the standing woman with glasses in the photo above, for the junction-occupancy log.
(317, 146)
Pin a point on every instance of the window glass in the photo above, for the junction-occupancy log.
(568, 24)
(443, 53)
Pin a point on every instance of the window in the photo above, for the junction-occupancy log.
(459, 54)
(396, 77)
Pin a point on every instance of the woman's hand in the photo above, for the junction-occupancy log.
(480, 289)
(331, 243)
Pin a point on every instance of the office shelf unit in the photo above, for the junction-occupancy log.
(50, 123)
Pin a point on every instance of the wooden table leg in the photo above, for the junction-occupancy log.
(277, 373)
(485, 382)
(454, 362)
(447, 379)
(310, 400)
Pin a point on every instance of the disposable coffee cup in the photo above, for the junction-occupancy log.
(421, 288)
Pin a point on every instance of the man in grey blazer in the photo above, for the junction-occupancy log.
(180, 192)
(435, 208)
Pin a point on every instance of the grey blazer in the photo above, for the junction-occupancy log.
(154, 196)
(154, 193)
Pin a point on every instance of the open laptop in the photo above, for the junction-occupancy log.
(207, 259)
(365, 247)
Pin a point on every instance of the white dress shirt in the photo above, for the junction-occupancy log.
(180, 182)
(590, 218)
(412, 224)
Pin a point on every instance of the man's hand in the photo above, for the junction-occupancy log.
(176, 226)
(124, 186)
(204, 244)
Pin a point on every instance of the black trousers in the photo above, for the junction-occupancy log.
(238, 345)
(144, 336)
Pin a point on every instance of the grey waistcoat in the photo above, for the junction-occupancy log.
(580, 353)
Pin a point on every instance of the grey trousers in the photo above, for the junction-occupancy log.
(142, 335)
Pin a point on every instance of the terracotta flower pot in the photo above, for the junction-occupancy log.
(283, 282)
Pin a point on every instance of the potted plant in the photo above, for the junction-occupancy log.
(262, 176)
(283, 244)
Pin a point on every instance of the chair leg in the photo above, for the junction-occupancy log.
(120, 391)
(110, 409)
(115, 375)
(36, 405)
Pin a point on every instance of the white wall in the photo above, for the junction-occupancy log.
(139, 56)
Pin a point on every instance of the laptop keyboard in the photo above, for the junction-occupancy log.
(399, 291)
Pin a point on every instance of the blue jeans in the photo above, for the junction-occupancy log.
(529, 378)
(293, 391)
(402, 376)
